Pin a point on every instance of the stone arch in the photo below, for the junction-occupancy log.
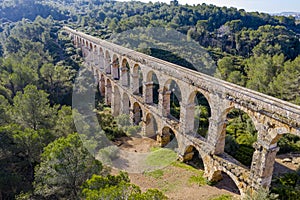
(115, 68)
(150, 125)
(274, 135)
(167, 138)
(101, 58)
(107, 63)
(152, 88)
(250, 113)
(102, 85)
(95, 56)
(137, 113)
(197, 113)
(171, 99)
(281, 133)
(126, 104)
(125, 73)
(73, 39)
(241, 133)
(108, 92)
(137, 80)
(194, 157)
(116, 104)
(218, 175)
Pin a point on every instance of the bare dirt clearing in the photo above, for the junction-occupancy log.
(175, 179)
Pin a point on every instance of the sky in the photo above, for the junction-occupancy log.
(269, 6)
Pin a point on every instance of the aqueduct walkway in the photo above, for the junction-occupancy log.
(120, 70)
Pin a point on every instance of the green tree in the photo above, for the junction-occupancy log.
(20, 152)
(286, 85)
(225, 67)
(57, 81)
(16, 73)
(31, 109)
(261, 70)
(65, 123)
(65, 165)
(116, 187)
(30, 144)
(4, 106)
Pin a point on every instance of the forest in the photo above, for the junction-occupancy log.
(38, 65)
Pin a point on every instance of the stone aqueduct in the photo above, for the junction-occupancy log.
(118, 70)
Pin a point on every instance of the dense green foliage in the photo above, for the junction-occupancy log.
(31, 118)
(241, 134)
(116, 187)
(287, 186)
(37, 70)
(65, 165)
(109, 125)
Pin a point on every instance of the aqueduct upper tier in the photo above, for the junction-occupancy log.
(127, 78)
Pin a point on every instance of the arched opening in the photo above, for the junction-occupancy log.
(91, 47)
(289, 143)
(95, 56)
(240, 136)
(199, 110)
(125, 76)
(151, 126)
(108, 93)
(84, 49)
(137, 80)
(115, 68)
(152, 88)
(101, 58)
(117, 101)
(102, 85)
(192, 157)
(137, 113)
(87, 45)
(225, 182)
(126, 104)
(286, 176)
(171, 100)
(288, 156)
(95, 51)
(107, 63)
(167, 138)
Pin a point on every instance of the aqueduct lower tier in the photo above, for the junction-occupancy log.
(120, 72)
